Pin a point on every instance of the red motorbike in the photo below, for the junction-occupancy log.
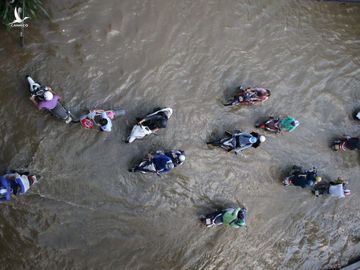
(273, 124)
(249, 96)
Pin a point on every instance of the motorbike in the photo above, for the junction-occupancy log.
(237, 141)
(213, 219)
(147, 165)
(139, 131)
(346, 143)
(246, 96)
(297, 172)
(38, 90)
(273, 124)
(216, 218)
(88, 120)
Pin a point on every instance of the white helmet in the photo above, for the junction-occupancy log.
(48, 95)
(182, 158)
(262, 138)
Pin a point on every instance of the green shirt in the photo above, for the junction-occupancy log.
(286, 123)
(230, 218)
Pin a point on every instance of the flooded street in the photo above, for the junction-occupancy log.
(89, 212)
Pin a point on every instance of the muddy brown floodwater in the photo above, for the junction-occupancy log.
(89, 212)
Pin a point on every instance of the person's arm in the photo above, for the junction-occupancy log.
(33, 100)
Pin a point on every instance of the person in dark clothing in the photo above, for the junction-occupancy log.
(156, 122)
(352, 143)
(301, 178)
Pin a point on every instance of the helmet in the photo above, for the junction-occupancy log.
(86, 123)
(296, 123)
(241, 222)
(48, 95)
(317, 179)
(262, 138)
(347, 192)
(182, 158)
(170, 166)
(253, 139)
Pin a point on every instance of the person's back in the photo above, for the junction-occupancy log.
(337, 191)
(161, 162)
(289, 123)
(352, 143)
(105, 122)
(307, 179)
(234, 217)
(243, 141)
(156, 121)
(49, 102)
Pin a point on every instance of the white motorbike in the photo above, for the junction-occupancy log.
(139, 131)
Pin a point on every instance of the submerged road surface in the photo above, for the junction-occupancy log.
(89, 212)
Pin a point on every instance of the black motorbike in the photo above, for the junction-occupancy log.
(38, 90)
(237, 141)
(346, 143)
(301, 177)
(216, 218)
(213, 219)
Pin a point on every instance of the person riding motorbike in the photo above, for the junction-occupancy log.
(162, 162)
(302, 178)
(335, 188)
(240, 141)
(350, 143)
(150, 124)
(45, 99)
(14, 183)
(155, 122)
(48, 102)
(99, 118)
(250, 95)
(233, 217)
(177, 157)
(282, 123)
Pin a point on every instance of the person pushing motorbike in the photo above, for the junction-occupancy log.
(15, 184)
(337, 188)
(239, 141)
(302, 178)
(249, 95)
(233, 217)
